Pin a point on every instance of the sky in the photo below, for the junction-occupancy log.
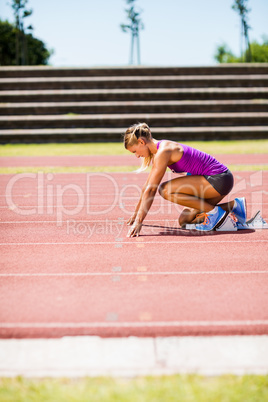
(87, 33)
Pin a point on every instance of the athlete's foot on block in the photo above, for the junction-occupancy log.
(200, 218)
(240, 209)
(213, 219)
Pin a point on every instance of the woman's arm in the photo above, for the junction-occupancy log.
(149, 191)
(133, 217)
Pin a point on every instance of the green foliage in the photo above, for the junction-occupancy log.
(259, 53)
(17, 44)
(224, 55)
(7, 44)
(37, 53)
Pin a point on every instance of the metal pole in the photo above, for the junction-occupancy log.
(138, 48)
(132, 48)
(242, 40)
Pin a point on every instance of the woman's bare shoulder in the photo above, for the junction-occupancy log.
(171, 149)
(168, 145)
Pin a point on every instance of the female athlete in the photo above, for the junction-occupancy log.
(200, 191)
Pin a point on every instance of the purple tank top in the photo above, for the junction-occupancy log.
(196, 162)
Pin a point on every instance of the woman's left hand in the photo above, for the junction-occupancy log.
(135, 229)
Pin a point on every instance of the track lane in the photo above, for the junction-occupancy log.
(203, 265)
(192, 301)
(136, 257)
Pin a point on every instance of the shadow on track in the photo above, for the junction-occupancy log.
(190, 233)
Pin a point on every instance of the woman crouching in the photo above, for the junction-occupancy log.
(200, 191)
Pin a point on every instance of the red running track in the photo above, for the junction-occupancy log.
(67, 270)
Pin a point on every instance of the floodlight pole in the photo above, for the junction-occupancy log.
(135, 38)
(138, 48)
(132, 48)
(134, 26)
(241, 7)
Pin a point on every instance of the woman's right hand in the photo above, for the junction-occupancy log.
(131, 219)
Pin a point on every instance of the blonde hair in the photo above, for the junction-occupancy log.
(131, 137)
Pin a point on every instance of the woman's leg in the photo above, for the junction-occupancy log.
(190, 191)
(194, 192)
(189, 215)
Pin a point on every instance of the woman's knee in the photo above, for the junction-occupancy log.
(163, 189)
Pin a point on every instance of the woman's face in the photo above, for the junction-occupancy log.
(140, 149)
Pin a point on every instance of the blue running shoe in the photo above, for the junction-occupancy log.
(212, 220)
(240, 210)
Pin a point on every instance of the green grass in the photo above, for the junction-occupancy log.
(182, 388)
(214, 147)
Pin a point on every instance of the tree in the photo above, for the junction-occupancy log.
(36, 50)
(224, 54)
(259, 53)
(134, 26)
(241, 7)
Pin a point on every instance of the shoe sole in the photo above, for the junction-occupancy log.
(245, 208)
(221, 221)
(245, 204)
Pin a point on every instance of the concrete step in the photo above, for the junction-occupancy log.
(115, 134)
(145, 94)
(157, 81)
(125, 120)
(48, 71)
(41, 103)
(218, 106)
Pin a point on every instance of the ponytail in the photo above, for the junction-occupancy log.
(131, 137)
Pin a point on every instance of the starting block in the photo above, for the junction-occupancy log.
(230, 225)
(256, 222)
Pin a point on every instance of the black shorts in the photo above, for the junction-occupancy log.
(223, 182)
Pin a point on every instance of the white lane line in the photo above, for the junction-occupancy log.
(131, 242)
(134, 324)
(41, 274)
